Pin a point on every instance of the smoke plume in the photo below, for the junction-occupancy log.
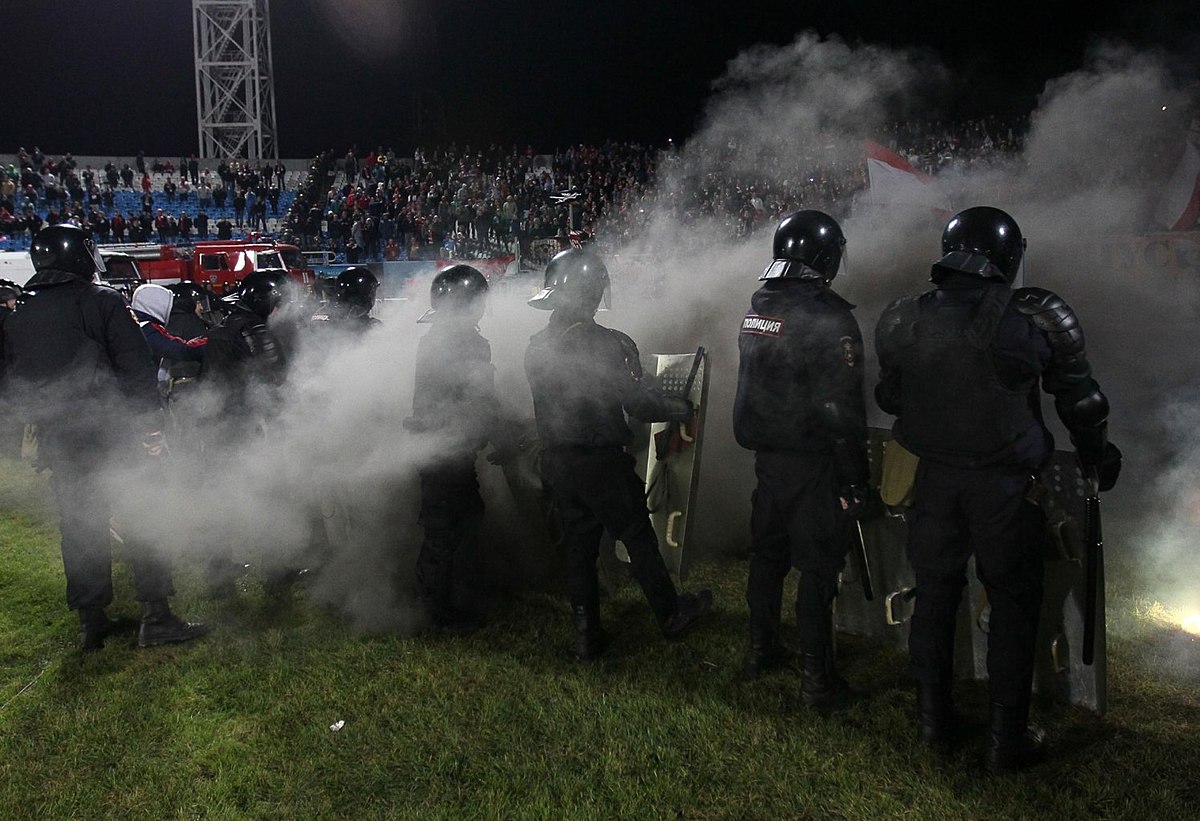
(337, 461)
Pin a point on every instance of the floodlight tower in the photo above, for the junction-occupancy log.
(235, 90)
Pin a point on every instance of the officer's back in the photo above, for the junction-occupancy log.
(72, 340)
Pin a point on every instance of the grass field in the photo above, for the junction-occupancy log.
(502, 724)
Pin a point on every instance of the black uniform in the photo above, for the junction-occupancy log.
(454, 402)
(584, 377)
(77, 366)
(959, 367)
(246, 361)
(800, 407)
(342, 319)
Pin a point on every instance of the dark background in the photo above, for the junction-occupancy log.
(112, 77)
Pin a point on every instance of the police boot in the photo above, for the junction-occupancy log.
(766, 653)
(937, 724)
(590, 638)
(692, 607)
(94, 627)
(1013, 743)
(822, 688)
(161, 626)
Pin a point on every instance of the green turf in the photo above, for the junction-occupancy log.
(503, 725)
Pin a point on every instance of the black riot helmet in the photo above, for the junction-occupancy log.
(9, 290)
(356, 287)
(807, 245)
(457, 291)
(576, 280)
(263, 291)
(187, 294)
(982, 241)
(66, 248)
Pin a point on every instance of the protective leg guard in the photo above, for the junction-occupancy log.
(823, 689)
(161, 626)
(937, 724)
(1013, 744)
(766, 653)
(590, 638)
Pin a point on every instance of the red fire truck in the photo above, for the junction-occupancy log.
(218, 265)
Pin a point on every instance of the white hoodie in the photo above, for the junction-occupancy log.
(153, 300)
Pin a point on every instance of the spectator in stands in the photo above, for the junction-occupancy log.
(193, 169)
(185, 227)
(117, 224)
(224, 229)
(169, 189)
(202, 224)
(219, 193)
(280, 174)
(141, 162)
(146, 184)
(258, 215)
(239, 207)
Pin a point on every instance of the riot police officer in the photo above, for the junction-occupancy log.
(243, 349)
(10, 292)
(352, 301)
(79, 368)
(800, 408)
(11, 427)
(188, 310)
(959, 367)
(454, 403)
(584, 378)
(245, 365)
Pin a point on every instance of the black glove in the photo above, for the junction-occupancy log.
(1105, 467)
(854, 500)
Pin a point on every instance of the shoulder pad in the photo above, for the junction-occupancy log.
(629, 348)
(900, 312)
(1052, 316)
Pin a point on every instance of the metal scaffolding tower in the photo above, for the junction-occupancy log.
(235, 90)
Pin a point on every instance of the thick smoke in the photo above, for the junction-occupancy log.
(1101, 142)
(337, 457)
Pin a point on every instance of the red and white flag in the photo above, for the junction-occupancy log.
(894, 181)
(1179, 206)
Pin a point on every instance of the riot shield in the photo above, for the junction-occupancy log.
(668, 457)
(1056, 508)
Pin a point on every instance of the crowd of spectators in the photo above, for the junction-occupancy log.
(466, 202)
(472, 202)
(144, 201)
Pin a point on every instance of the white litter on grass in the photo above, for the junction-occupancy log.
(337, 725)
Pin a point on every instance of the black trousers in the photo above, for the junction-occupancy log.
(795, 521)
(451, 510)
(84, 512)
(956, 512)
(597, 489)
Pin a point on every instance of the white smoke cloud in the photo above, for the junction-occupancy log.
(337, 456)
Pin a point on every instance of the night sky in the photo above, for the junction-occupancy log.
(112, 76)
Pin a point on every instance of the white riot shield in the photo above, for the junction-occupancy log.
(668, 457)
(1060, 671)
